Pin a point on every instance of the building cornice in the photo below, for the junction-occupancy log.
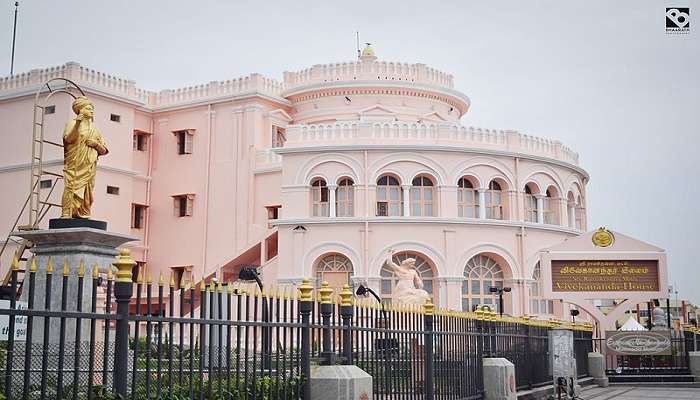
(55, 163)
(425, 220)
(429, 147)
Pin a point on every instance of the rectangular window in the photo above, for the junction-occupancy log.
(49, 110)
(530, 208)
(185, 141)
(278, 136)
(45, 184)
(138, 216)
(183, 205)
(177, 274)
(115, 117)
(140, 141)
(273, 212)
(113, 190)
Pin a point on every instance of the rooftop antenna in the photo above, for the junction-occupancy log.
(14, 34)
(357, 36)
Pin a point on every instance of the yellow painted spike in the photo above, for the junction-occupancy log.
(81, 268)
(32, 265)
(110, 275)
(172, 280)
(139, 277)
(65, 267)
(149, 279)
(183, 282)
(49, 266)
(229, 287)
(202, 286)
(95, 271)
(161, 281)
(15, 262)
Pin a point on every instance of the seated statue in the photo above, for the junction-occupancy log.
(409, 289)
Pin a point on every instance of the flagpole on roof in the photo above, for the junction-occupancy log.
(14, 35)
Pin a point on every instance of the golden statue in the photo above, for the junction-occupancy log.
(82, 145)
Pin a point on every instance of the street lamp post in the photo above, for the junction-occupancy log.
(250, 274)
(500, 291)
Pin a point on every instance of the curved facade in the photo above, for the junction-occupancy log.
(323, 174)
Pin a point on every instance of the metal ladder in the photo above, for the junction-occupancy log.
(38, 207)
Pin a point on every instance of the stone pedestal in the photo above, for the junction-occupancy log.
(69, 246)
(340, 382)
(596, 369)
(499, 379)
(561, 350)
(694, 364)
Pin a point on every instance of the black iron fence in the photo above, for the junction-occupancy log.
(177, 340)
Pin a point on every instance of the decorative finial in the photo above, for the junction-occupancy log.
(346, 296)
(429, 307)
(305, 290)
(325, 292)
(124, 266)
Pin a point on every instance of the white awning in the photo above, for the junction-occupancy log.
(632, 325)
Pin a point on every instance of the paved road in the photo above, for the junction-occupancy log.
(640, 393)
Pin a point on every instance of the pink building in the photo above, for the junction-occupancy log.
(318, 175)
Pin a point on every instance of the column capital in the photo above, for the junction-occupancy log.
(332, 186)
(406, 187)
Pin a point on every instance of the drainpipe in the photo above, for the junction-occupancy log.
(149, 173)
(206, 194)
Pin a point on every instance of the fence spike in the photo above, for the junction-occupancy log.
(202, 286)
(32, 264)
(229, 287)
(65, 266)
(81, 268)
(49, 266)
(95, 271)
(149, 279)
(110, 274)
(172, 280)
(15, 262)
(183, 282)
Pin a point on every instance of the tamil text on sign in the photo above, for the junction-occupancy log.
(605, 276)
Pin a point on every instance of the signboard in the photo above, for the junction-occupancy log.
(605, 275)
(638, 343)
(20, 321)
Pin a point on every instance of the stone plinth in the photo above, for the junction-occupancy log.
(561, 350)
(694, 364)
(70, 245)
(499, 379)
(340, 382)
(596, 369)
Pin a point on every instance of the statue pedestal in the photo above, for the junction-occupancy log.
(64, 223)
(70, 246)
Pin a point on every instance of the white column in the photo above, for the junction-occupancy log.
(482, 203)
(331, 200)
(406, 200)
(571, 213)
(540, 209)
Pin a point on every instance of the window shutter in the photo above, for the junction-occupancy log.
(133, 211)
(189, 142)
(190, 204)
(176, 206)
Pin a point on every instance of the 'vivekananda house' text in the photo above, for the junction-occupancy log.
(605, 276)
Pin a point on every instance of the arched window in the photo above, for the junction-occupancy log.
(336, 269)
(319, 198)
(467, 200)
(551, 213)
(481, 273)
(344, 198)
(389, 197)
(422, 195)
(424, 268)
(494, 201)
(538, 305)
(530, 205)
(580, 213)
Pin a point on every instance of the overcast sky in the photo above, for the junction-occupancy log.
(601, 76)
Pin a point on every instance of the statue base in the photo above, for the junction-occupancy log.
(63, 223)
(69, 246)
